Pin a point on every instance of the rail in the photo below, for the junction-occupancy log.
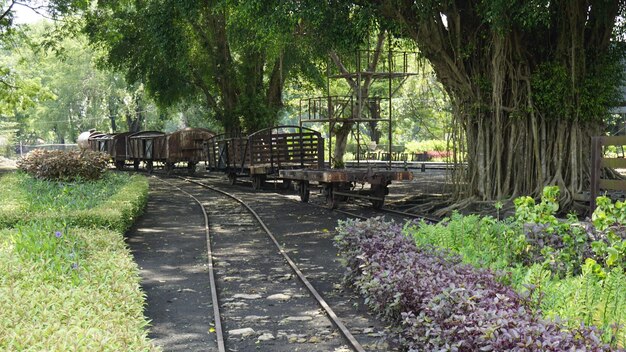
(320, 300)
(599, 161)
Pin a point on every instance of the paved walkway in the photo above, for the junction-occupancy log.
(169, 245)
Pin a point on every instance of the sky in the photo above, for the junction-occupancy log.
(24, 15)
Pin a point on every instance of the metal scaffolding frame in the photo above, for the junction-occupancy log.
(332, 109)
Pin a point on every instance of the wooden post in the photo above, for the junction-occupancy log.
(596, 156)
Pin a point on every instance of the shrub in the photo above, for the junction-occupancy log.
(435, 145)
(576, 268)
(442, 304)
(64, 165)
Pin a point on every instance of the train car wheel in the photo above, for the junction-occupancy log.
(119, 164)
(232, 179)
(149, 166)
(379, 191)
(286, 183)
(332, 200)
(191, 168)
(136, 165)
(304, 191)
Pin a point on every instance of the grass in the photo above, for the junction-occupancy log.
(64, 287)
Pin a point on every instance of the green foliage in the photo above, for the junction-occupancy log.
(478, 240)
(424, 146)
(78, 95)
(556, 97)
(608, 214)
(569, 269)
(64, 165)
(64, 287)
(51, 246)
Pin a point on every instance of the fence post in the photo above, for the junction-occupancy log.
(596, 156)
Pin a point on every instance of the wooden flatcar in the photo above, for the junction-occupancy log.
(341, 184)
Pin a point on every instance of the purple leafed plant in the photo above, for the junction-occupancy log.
(438, 303)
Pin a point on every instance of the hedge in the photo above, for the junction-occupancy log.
(83, 294)
(117, 212)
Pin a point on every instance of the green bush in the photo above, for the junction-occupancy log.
(438, 145)
(69, 289)
(64, 165)
(63, 287)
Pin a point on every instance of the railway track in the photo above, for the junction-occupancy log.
(262, 299)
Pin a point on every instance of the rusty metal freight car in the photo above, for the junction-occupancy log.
(100, 142)
(262, 154)
(186, 146)
(114, 144)
(118, 149)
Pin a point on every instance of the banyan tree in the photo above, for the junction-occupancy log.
(530, 80)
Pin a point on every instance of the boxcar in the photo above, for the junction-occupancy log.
(186, 146)
(118, 149)
(83, 139)
(148, 147)
(100, 142)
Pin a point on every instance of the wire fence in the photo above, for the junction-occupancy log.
(23, 149)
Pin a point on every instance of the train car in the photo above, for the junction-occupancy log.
(118, 149)
(148, 147)
(186, 146)
(100, 142)
(83, 139)
(227, 154)
(262, 154)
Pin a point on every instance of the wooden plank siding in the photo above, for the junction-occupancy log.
(286, 147)
(147, 146)
(266, 151)
(599, 161)
(186, 145)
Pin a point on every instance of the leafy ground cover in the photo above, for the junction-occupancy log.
(111, 202)
(572, 271)
(64, 287)
(440, 303)
(566, 270)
